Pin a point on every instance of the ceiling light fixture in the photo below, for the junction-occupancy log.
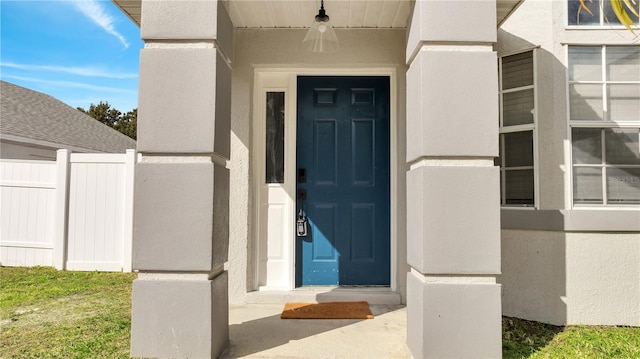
(321, 37)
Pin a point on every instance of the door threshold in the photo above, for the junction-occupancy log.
(372, 295)
(343, 288)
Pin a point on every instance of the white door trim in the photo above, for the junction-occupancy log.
(274, 238)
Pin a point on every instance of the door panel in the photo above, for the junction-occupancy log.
(363, 241)
(325, 141)
(343, 145)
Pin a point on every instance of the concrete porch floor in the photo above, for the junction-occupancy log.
(256, 331)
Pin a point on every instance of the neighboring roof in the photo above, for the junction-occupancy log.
(32, 115)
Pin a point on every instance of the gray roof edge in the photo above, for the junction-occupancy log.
(45, 144)
(44, 119)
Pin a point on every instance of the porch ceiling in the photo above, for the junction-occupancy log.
(299, 13)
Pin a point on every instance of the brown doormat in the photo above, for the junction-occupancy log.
(330, 310)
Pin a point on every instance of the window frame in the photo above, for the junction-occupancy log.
(518, 128)
(279, 174)
(602, 25)
(605, 123)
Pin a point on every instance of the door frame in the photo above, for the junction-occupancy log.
(274, 260)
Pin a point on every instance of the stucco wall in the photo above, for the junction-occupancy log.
(560, 264)
(532, 25)
(542, 24)
(282, 48)
(571, 278)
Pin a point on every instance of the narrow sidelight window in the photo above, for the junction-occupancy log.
(275, 138)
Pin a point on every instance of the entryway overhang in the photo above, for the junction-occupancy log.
(204, 61)
(299, 13)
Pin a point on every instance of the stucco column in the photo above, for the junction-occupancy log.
(181, 213)
(453, 228)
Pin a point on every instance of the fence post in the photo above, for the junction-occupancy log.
(127, 243)
(61, 209)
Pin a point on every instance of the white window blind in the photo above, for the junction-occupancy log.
(604, 114)
(517, 129)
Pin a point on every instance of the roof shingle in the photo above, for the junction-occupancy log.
(34, 115)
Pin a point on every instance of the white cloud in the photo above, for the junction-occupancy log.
(79, 71)
(98, 14)
(72, 84)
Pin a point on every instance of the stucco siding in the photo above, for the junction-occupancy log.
(532, 26)
(282, 49)
(571, 278)
(560, 264)
(542, 25)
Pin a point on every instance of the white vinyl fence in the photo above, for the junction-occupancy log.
(75, 213)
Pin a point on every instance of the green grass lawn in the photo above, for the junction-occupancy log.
(526, 339)
(45, 313)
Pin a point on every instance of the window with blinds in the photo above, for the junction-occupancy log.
(517, 129)
(604, 116)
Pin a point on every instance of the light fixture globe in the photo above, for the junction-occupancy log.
(321, 37)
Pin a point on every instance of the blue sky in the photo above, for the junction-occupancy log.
(80, 52)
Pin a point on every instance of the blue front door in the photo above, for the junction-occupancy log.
(343, 174)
